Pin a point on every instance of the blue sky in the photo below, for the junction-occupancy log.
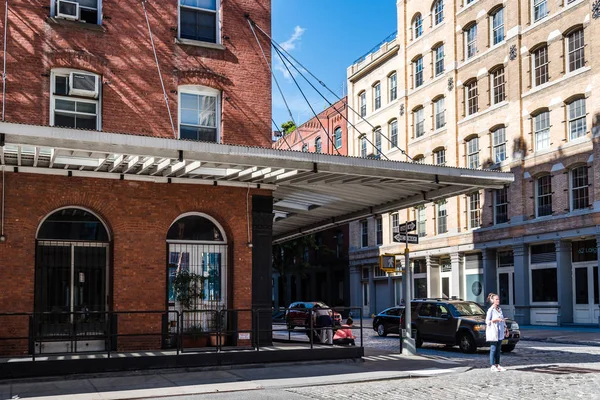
(326, 36)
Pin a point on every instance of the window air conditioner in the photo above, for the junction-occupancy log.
(81, 84)
(67, 9)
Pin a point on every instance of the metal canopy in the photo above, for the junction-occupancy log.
(311, 191)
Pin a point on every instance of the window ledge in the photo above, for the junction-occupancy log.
(198, 43)
(550, 17)
(466, 7)
(433, 29)
(481, 113)
(75, 24)
(557, 81)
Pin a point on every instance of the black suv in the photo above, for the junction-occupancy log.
(451, 322)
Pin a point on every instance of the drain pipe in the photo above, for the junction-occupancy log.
(4, 62)
(2, 237)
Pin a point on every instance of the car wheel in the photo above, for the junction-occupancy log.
(381, 330)
(466, 343)
(508, 348)
(418, 340)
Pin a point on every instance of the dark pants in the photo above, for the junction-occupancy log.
(495, 352)
(343, 342)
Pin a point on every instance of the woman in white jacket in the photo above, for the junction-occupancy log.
(495, 331)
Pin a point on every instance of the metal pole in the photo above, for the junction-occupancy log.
(408, 347)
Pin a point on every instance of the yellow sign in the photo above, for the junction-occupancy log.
(387, 262)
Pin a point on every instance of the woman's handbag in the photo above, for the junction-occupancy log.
(491, 333)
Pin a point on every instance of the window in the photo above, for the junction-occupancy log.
(473, 153)
(337, 133)
(576, 46)
(474, 210)
(377, 134)
(364, 233)
(363, 104)
(471, 41)
(422, 221)
(318, 145)
(198, 20)
(419, 117)
(418, 67)
(440, 157)
(377, 96)
(379, 230)
(81, 112)
(393, 85)
(417, 26)
(577, 125)
(540, 66)
(542, 130)
(544, 285)
(543, 196)
(499, 144)
(439, 59)
(393, 128)
(440, 113)
(540, 9)
(498, 26)
(395, 224)
(498, 86)
(420, 159)
(579, 188)
(442, 226)
(199, 113)
(305, 148)
(88, 11)
(363, 147)
(438, 12)
(472, 98)
(500, 206)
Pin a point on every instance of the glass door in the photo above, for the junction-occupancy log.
(506, 291)
(585, 293)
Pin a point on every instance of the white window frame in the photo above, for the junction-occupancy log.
(305, 148)
(421, 217)
(473, 153)
(217, 12)
(532, 267)
(496, 28)
(541, 5)
(379, 230)
(441, 214)
(363, 147)
(471, 102)
(364, 233)
(496, 193)
(438, 12)
(440, 157)
(471, 44)
(539, 196)
(576, 118)
(541, 70)
(419, 121)
(200, 91)
(541, 135)
(377, 96)
(439, 60)
(318, 145)
(54, 10)
(65, 72)
(419, 68)
(571, 53)
(499, 144)
(362, 98)
(377, 140)
(393, 84)
(573, 188)
(393, 127)
(337, 133)
(498, 83)
(439, 112)
(417, 27)
(474, 207)
(395, 224)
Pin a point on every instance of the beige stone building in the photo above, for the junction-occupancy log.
(506, 85)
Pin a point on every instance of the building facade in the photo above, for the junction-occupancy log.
(494, 85)
(88, 238)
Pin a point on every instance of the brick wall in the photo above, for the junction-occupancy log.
(120, 51)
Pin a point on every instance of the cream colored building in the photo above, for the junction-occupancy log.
(508, 85)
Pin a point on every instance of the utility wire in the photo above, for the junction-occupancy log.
(362, 135)
(251, 24)
(282, 134)
(162, 83)
(305, 99)
(329, 90)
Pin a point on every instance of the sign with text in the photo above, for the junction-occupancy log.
(407, 227)
(402, 238)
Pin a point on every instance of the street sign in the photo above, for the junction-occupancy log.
(387, 262)
(401, 238)
(407, 227)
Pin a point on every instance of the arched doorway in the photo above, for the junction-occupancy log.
(196, 243)
(71, 282)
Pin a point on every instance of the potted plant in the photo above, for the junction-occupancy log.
(218, 338)
(194, 337)
(189, 289)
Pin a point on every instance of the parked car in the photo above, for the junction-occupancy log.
(452, 322)
(389, 320)
(298, 314)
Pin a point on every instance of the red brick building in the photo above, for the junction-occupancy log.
(74, 242)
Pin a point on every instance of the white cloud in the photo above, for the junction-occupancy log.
(290, 44)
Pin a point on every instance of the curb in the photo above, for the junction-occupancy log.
(562, 341)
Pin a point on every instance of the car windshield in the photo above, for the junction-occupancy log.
(466, 309)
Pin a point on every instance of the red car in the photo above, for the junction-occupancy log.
(298, 314)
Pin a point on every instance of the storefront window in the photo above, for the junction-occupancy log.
(585, 250)
(475, 288)
(544, 285)
(420, 288)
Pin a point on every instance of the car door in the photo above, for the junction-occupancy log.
(392, 320)
(445, 328)
(426, 321)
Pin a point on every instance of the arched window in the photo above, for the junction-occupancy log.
(363, 147)
(470, 35)
(575, 49)
(543, 196)
(438, 59)
(362, 101)
(497, 25)
(318, 145)
(71, 275)
(377, 139)
(473, 152)
(541, 129)
(438, 12)
(417, 25)
(579, 188)
(539, 59)
(337, 133)
(393, 130)
(419, 121)
(199, 113)
(75, 99)
(499, 144)
(197, 246)
(576, 115)
(471, 97)
(498, 85)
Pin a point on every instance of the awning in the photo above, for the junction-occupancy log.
(311, 191)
